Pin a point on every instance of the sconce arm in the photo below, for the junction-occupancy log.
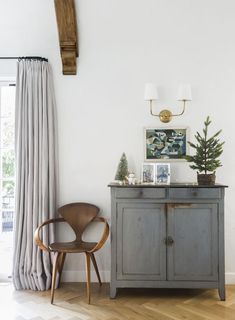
(151, 109)
(166, 115)
(180, 114)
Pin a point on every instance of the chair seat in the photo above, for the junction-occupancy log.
(73, 246)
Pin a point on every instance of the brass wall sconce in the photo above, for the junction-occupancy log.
(151, 94)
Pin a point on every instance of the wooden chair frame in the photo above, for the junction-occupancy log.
(60, 256)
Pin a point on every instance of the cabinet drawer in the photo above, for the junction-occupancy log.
(194, 193)
(141, 193)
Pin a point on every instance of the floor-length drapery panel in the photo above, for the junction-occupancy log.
(36, 168)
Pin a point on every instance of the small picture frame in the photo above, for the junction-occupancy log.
(162, 173)
(148, 173)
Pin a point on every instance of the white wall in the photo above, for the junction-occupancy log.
(101, 111)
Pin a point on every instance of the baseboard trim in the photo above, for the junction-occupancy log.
(80, 276)
(230, 277)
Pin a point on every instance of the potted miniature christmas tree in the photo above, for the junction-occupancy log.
(122, 170)
(206, 160)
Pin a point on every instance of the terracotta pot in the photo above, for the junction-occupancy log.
(206, 179)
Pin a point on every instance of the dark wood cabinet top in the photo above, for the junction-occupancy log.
(171, 185)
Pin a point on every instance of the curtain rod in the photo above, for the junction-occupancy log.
(24, 58)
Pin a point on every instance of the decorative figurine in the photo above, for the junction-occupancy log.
(131, 178)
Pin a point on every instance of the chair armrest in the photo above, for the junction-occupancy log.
(104, 235)
(37, 239)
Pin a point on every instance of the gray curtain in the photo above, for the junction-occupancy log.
(36, 157)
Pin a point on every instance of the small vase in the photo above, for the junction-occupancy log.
(206, 179)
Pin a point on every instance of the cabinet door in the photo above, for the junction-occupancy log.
(193, 255)
(141, 252)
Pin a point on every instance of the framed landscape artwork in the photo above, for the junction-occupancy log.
(166, 144)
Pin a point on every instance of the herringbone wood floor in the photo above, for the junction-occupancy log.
(131, 304)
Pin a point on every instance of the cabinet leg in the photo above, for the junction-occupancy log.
(113, 292)
(222, 293)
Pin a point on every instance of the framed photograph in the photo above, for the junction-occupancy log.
(148, 173)
(162, 173)
(166, 144)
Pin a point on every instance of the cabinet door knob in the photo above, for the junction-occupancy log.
(169, 241)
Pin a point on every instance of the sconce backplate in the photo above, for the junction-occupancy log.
(165, 116)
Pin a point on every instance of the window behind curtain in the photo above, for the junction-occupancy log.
(7, 175)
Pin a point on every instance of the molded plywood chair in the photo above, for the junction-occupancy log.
(78, 216)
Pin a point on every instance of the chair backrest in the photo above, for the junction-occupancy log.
(78, 215)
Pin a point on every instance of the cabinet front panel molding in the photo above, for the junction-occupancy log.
(194, 193)
(194, 255)
(141, 193)
(141, 252)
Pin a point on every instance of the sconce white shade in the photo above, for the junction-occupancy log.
(184, 93)
(150, 92)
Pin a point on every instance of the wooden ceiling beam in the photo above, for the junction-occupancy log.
(67, 30)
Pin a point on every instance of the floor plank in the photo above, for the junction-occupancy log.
(131, 304)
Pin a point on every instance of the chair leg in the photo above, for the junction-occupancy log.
(96, 267)
(88, 276)
(61, 265)
(54, 273)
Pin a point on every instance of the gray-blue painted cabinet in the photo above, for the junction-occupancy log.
(168, 236)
